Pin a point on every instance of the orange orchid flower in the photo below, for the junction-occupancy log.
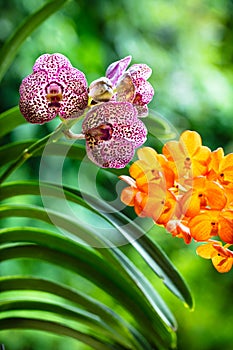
(152, 167)
(153, 203)
(212, 223)
(189, 157)
(221, 256)
(203, 194)
(189, 190)
(156, 202)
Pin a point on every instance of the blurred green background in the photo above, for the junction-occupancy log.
(188, 44)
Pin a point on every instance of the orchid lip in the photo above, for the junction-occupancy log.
(99, 134)
(54, 94)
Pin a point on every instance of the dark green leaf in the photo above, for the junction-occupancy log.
(80, 259)
(12, 45)
(86, 319)
(54, 327)
(121, 329)
(10, 120)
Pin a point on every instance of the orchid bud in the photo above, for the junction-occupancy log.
(100, 90)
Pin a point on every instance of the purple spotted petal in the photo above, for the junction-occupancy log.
(33, 102)
(112, 154)
(142, 111)
(135, 133)
(144, 92)
(117, 69)
(135, 89)
(109, 112)
(125, 88)
(140, 71)
(51, 62)
(75, 96)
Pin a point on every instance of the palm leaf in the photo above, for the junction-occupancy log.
(119, 329)
(57, 327)
(81, 259)
(146, 248)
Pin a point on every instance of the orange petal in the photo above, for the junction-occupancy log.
(190, 204)
(178, 229)
(153, 204)
(226, 167)
(169, 175)
(150, 178)
(142, 183)
(215, 159)
(201, 226)
(149, 206)
(155, 208)
(200, 161)
(198, 168)
(128, 195)
(215, 195)
(191, 141)
(168, 211)
(207, 250)
(222, 264)
(203, 155)
(139, 203)
(137, 169)
(229, 194)
(226, 226)
(173, 151)
(223, 251)
(148, 155)
(127, 179)
(157, 190)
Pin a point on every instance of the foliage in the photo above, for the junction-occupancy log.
(57, 274)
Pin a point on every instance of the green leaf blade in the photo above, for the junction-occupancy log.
(10, 119)
(58, 328)
(122, 331)
(12, 45)
(107, 278)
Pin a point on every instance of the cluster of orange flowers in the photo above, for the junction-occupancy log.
(189, 190)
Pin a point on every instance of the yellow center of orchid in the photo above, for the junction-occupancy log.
(54, 95)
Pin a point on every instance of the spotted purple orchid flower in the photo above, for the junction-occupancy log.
(54, 88)
(113, 132)
(131, 85)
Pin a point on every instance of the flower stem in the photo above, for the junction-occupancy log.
(70, 135)
(35, 147)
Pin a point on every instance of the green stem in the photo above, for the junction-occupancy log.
(29, 152)
(70, 135)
